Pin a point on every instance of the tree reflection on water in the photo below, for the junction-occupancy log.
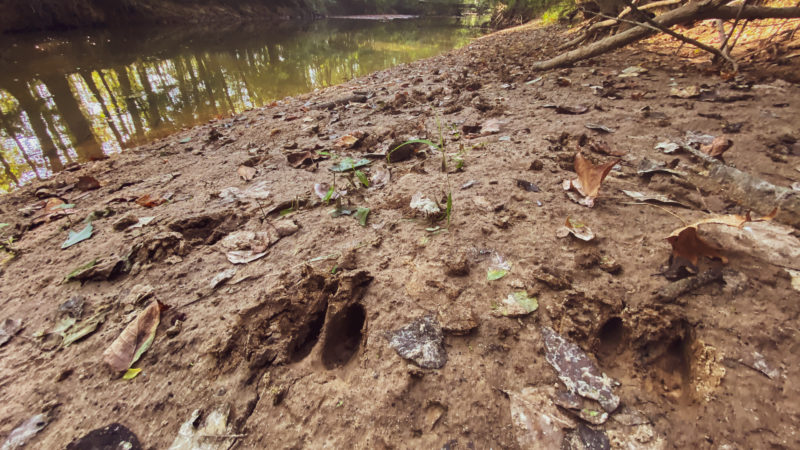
(79, 97)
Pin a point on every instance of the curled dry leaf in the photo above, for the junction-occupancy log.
(135, 339)
(149, 201)
(349, 140)
(717, 147)
(590, 177)
(247, 173)
(688, 247)
(575, 228)
(301, 159)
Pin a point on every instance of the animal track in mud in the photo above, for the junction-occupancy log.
(611, 338)
(206, 228)
(307, 336)
(318, 315)
(343, 336)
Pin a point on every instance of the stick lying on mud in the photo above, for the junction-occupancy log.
(672, 291)
(751, 192)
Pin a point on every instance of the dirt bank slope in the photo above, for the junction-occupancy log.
(297, 343)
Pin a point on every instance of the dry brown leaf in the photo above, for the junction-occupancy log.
(149, 201)
(51, 204)
(87, 183)
(688, 246)
(349, 140)
(300, 159)
(590, 177)
(717, 147)
(247, 173)
(135, 339)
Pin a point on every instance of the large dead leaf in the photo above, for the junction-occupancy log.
(590, 177)
(688, 246)
(135, 339)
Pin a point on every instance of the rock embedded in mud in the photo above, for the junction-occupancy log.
(577, 371)
(422, 342)
(457, 320)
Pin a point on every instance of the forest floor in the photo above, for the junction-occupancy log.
(301, 347)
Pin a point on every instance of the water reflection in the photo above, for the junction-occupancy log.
(79, 97)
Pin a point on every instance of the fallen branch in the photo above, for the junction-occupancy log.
(672, 291)
(683, 14)
(707, 9)
(614, 21)
(688, 40)
(751, 192)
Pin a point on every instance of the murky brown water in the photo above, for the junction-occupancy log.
(82, 95)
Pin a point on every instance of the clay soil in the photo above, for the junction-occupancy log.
(296, 343)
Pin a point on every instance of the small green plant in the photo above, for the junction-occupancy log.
(459, 161)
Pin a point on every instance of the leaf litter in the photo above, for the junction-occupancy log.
(575, 228)
(590, 177)
(135, 339)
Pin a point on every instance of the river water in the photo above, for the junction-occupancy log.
(79, 96)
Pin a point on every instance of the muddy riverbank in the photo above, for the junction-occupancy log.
(304, 268)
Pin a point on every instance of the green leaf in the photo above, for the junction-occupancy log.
(286, 211)
(86, 328)
(131, 374)
(529, 304)
(80, 270)
(349, 164)
(361, 216)
(449, 209)
(185, 140)
(74, 237)
(495, 274)
(3, 225)
(319, 152)
(335, 268)
(328, 195)
(362, 178)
